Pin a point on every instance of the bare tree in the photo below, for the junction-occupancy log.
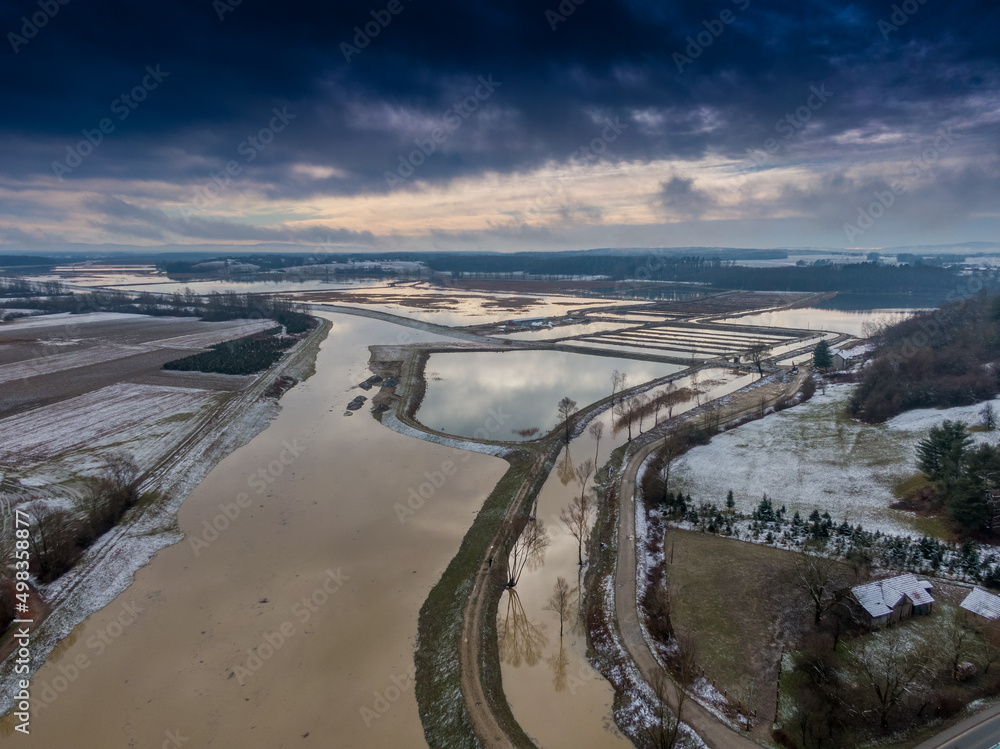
(757, 353)
(672, 449)
(566, 408)
(657, 405)
(694, 386)
(957, 634)
(528, 550)
(670, 397)
(576, 518)
(990, 644)
(664, 733)
(988, 414)
(617, 383)
(888, 667)
(560, 602)
(814, 576)
(53, 543)
(596, 431)
(640, 401)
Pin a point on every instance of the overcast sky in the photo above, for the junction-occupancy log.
(500, 125)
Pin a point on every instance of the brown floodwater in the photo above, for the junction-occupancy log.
(296, 625)
(554, 693)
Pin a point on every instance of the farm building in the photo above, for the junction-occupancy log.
(982, 604)
(847, 358)
(888, 601)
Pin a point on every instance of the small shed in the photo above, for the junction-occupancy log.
(982, 604)
(888, 601)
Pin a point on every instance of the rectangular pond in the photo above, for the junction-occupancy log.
(467, 392)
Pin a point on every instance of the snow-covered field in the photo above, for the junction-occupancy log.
(103, 416)
(43, 365)
(814, 456)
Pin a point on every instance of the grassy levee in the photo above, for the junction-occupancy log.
(439, 628)
(602, 565)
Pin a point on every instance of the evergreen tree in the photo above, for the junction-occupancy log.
(940, 455)
(821, 356)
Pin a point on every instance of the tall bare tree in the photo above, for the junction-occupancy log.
(617, 383)
(641, 400)
(596, 431)
(671, 397)
(888, 666)
(566, 408)
(560, 602)
(757, 352)
(814, 576)
(528, 550)
(576, 517)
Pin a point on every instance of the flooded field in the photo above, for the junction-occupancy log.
(812, 318)
(449, 306)
(520, 388)
(291, 620)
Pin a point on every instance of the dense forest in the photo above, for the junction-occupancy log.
(944, 357)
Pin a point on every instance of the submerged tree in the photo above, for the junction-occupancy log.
(560, 602)
(576, 516)
(528, 550)
(596, 431)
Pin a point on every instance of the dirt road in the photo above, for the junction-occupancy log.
(714, 732)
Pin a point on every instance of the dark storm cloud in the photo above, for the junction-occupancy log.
(361, 116)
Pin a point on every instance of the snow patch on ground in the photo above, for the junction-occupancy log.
(812, 456)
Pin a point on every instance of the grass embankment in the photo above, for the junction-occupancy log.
(602, 556)
(438, 676)
(739, 603)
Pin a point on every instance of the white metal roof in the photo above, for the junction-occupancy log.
(982, 603)
(880, 597)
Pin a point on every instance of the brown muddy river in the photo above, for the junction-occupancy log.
(251, 642)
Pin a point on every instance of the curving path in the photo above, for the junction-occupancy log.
(713, 731)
